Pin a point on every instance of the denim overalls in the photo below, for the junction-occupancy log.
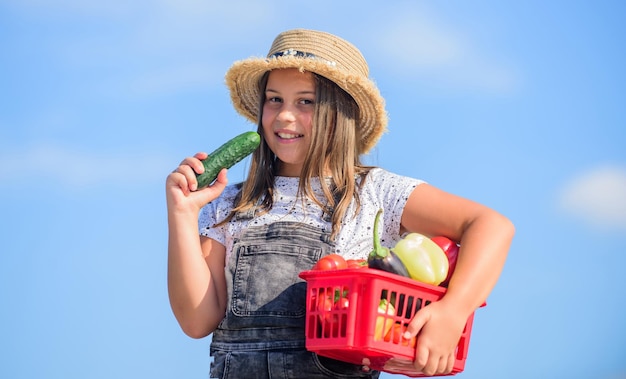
(262, 335)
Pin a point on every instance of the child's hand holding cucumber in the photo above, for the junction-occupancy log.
(227, 156)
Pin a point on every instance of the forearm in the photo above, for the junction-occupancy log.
(484, 247)
(193, 297)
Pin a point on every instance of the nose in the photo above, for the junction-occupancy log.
(287, 113)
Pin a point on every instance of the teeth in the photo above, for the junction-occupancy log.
(287, 135)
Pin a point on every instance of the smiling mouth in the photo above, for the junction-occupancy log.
(289, 135)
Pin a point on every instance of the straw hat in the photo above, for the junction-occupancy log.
(324, 54)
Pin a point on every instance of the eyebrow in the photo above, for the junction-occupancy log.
(297, 93)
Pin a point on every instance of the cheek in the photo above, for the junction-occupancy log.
(266, 118)
(306, 121)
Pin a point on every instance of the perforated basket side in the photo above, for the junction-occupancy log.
(350, 334)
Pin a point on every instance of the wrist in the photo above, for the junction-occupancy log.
(459, 303)
(183, 212)
(180, 211)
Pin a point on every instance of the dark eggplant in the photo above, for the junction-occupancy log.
(382, 258)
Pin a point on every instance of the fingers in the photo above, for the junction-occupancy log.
(365, 365)
(186, 172)
(432, 358)
(441, 365)
(416, 324)
(421, 358)
(221, 179)
(194, 163)
(220, 182)
(201, 155)
(437, 365)
(433, 363)
(182, 195)
(450, 364)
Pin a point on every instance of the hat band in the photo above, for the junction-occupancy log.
(301, 54)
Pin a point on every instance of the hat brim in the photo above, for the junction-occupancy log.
(243, 77)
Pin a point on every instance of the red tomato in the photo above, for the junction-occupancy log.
(340, 319)
(330, 306)
(341, 304)
(325, 307)
(324, 304)
(357, 263)
(331, 262)
(452, 251)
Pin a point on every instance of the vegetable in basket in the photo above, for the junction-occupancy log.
(382, 258)
(329, 301)
(451, 249)
(357, 263)
(331, 262)
(425, 260)
(384, 320)
(395, 335)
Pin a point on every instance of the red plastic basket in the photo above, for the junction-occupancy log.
(350, 332)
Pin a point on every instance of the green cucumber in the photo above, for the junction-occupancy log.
(227, 156)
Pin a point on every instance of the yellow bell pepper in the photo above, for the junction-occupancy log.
(423, 258)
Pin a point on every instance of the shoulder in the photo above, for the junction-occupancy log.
(380, 178)
(389, 191)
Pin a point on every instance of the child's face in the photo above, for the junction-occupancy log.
(287, 117)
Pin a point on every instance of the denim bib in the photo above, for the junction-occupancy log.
(262, 333)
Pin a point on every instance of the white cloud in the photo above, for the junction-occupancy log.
(598, 197)
(423, 47)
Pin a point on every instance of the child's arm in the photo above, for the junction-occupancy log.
(485, 237)
(196, 283)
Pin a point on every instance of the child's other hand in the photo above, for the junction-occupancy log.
(439, 327)
(181, 185)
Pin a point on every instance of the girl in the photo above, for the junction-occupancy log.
(308, 195)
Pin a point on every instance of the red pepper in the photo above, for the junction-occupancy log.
(357, 263)
(451, 249)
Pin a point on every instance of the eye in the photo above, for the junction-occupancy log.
(274, 99)
(307, 101)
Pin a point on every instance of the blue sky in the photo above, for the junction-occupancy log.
(518, 105)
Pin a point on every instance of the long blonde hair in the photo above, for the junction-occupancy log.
(334, 147)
